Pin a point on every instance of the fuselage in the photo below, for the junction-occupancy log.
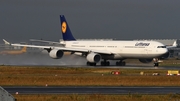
(123, 49)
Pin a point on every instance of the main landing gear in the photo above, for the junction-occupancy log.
(121, 63)
(105, 63)
(90, 64)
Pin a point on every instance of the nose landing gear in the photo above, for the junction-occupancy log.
(156, 63)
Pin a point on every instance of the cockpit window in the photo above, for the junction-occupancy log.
(161, 47)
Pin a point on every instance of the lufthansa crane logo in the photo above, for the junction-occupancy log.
(64, 26)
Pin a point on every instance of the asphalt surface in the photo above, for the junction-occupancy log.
(39, 59)
(93, 90)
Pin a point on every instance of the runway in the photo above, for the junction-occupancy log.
(128, 66)
(39, 59)
(93, 90)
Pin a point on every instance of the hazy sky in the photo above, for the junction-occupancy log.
(21, 20)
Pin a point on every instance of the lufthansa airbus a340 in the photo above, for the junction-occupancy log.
(102, 51)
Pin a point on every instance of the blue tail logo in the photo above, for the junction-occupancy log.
(66, 32)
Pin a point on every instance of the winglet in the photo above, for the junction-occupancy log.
(6, 42)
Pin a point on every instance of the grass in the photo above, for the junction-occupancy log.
(170, 62)
(98, 97)
(63, 76)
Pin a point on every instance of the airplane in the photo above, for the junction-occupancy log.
(14, 52)
(95, 51)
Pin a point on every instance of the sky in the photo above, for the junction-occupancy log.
(21, 20)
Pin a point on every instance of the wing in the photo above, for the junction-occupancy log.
(62, 48)
(65, 49)
(45, 41)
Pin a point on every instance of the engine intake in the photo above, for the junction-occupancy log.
(93, 57)
(56, 54)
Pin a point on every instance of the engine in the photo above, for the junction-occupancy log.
(56, 54)
(145, 60)
(93, 57)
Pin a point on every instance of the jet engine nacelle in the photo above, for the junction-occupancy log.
(145, 60)
(93, 57)
(56, 54)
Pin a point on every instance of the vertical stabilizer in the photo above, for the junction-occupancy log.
(175, 43)
(66, 32)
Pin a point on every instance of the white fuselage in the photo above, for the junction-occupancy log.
(122, 49)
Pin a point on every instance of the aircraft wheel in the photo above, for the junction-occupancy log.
(123, 63)
(102, 63)
(120, 63)
(88, 64)
(117, 63)
(156, 64)
(107, 63)
(91, 64)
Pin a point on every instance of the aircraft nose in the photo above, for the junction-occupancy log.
(165, 50)
(165, 54)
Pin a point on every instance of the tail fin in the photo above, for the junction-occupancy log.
(23, 49)
(175, 43)
(66, 32)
